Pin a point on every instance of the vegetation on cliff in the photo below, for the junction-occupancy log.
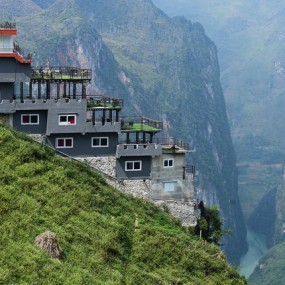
(270, 270)
(105, 236)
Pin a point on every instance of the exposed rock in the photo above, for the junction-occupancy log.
(48, 242)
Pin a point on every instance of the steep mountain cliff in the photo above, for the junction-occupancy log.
(166, 68)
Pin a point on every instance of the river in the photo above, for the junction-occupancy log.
(256, 249)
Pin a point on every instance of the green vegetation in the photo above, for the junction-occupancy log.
(209, 226)
(165, 68)
(139, 127)
(95, 225)
(270, 270)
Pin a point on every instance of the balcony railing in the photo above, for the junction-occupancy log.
(137, 123)
(104, 102)
(6, 25)
(61, 73)
(171, 143)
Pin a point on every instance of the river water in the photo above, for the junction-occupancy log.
(256, 249)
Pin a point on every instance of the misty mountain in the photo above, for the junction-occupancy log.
(166, 68)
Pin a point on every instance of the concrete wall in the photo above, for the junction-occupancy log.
(150, 149)
(82, 144)
(144, 173)
(12, 70)
(6, 91)
(30, 129)
(182, 184)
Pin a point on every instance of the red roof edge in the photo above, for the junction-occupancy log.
(17, 56)
(8, 32)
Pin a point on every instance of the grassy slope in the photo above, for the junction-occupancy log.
(95, 227)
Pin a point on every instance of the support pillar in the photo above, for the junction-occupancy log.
(30, 90)
(39, 90)
(83, 90)
(64, 89)
(111, 116)
(22, 91)
(57, 90)
(48, 89)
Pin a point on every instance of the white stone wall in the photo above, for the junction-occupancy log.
(141, 189)
(138, 188)
(182, 210)
(106, 164)
(38, 138)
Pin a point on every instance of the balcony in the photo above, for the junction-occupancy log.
(61, 74)
(140, 124)
(6, 25)
(104, 102)
(142, 149)
(171, 145)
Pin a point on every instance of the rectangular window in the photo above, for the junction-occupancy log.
(67, 120)
(169, 186)
(64, 143)
(168, 162)
(100, 142)
(29, 119)
(133, 165)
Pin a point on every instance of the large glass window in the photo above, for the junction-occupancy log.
(133, 165)
(100, 142)
(29, 119)
(67, 120)
(64, 143)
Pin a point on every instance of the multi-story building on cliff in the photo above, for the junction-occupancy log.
(52, 104)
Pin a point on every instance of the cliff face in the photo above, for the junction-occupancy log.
(165, 68)
(174, 74)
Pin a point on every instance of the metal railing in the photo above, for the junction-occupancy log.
(6, 25)
(101, 101)
(138, 123)
(171, 142)
(61, 73)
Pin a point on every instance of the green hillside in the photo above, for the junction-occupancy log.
(270, 270)
(106, 237)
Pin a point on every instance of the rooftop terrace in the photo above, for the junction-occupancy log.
(138, 124)
(104, 102)
(61, 73)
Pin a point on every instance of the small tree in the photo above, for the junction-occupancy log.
(209, 226)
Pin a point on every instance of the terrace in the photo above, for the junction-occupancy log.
(6, 25)
(104, 102)
(140, 124)
(172, 145)
(61, 73)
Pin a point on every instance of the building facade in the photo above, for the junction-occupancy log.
(52, 103)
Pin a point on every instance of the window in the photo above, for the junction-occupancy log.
(100, 142)
(168, 162)
(67, 120)
(29, 119)
(169, 186)
(64, 143)
(133, 165)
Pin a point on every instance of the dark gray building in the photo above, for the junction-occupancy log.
(51, 102)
